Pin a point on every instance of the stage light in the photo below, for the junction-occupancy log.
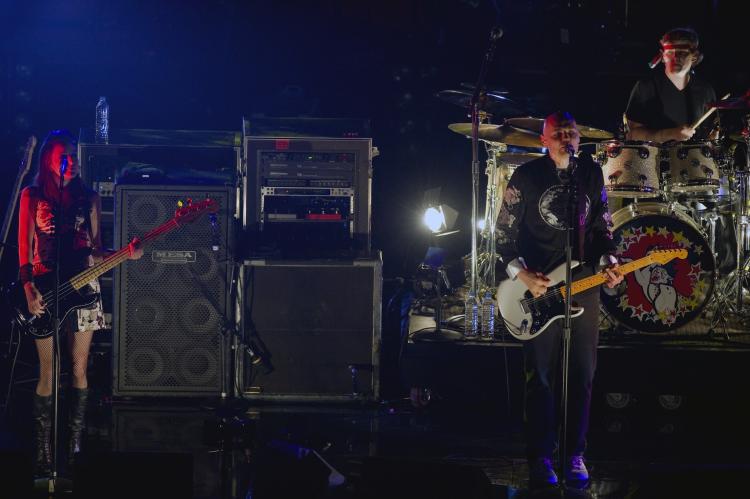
(434, 219)
(440, 219)
(437, 216)
(480, 225)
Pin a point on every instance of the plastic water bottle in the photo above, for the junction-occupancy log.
(101, 129)
(488, 316)
(471, 316)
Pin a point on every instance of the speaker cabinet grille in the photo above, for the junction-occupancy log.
(316, 325)
(170, 305)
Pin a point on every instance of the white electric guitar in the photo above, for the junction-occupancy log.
(527, 317)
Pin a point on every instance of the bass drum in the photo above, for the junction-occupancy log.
(659, 298)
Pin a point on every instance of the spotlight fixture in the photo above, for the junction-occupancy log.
(440, 219)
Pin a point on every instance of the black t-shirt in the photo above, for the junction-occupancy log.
(656, 103)
(531, 223)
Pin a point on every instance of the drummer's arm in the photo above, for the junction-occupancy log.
(639, 131)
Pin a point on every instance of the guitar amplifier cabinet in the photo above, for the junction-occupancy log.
(172, 305)
(311, 330)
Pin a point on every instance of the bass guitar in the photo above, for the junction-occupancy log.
(527, 317)
(75, 291)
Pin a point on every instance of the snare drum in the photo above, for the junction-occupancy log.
(693, 167)
(659, 298)
(631, 169)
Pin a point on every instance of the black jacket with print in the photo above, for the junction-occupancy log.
(532, 218)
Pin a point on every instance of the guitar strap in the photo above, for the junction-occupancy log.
(581, 219)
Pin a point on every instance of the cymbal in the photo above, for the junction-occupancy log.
(502, 134)
(534, 125)
(517, 159)
(741, 103)
(491, 101)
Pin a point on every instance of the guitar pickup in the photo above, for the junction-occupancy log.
(525, 306)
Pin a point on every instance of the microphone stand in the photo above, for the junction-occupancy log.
(52, 483)
(568, 320)
(475, 105)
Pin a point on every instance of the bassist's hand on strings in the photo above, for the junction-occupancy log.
(537, 282)
(135, 250)
(34, 300)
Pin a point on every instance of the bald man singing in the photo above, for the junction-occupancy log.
(531, 242)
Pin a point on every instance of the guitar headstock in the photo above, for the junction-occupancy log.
(28, 152)
(667, 255)
(192, 210)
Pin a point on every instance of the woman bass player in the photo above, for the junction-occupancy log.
(69, 217)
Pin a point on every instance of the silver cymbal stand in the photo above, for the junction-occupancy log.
(495, 35)
(741, 221)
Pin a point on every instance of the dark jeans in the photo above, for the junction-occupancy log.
(542, 368)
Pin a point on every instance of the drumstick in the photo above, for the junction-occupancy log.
(705, 116)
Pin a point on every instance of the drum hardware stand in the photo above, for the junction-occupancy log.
(495, 35)
(487, 257)
(438, 333)
(730, 296)
(721, 299)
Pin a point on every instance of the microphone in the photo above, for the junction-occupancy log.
(257, 358)
(572, 161)
(496, 33)
(655, 61)
(572, 153)
(63, 164)
(215, 240)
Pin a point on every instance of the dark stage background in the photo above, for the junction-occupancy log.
(206, 64)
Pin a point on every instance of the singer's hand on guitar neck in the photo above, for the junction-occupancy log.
(614, 276)
(537, 282)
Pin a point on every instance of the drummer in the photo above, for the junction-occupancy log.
(663, 106)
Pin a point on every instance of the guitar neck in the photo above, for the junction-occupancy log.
(600, 278)
(13, 200)
(112, 261)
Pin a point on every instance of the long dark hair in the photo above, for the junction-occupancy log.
(44, 180)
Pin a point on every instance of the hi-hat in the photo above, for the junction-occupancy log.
(534, 125)
(500, 134)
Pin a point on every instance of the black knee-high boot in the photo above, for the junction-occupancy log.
(76, 420)
(42, 415)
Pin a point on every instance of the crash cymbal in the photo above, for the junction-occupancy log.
(470, 87)
(517, 159)
(492, 101)
(501, 134)
(741, 103)
(534, 125)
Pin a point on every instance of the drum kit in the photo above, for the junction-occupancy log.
(692, 195)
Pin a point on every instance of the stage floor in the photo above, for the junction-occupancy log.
(669, 419)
